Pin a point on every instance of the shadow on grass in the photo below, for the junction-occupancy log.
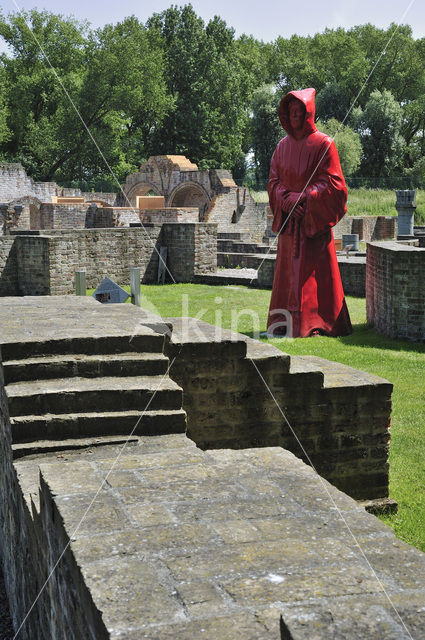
(365, 336)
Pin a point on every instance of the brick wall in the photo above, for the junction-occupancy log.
(192, 249)
(8, 267)
(45, 264)
(369, 228)
(170, 214)
(340, 415)
(223, 211)
(352, 270)
(62, 216)
(395, 294)
(33, 262)
(16, 184)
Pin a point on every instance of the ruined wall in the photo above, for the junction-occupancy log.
(353, 275)
(369, 228)
(32, 540)
(192, 249)
(110, 217)
(340, 415)
(8, 267)
(36, 264)
(33, 265)
(15, 184)
(224, 211)
(62, 216)
(20, 546)
(395, 294)
(352, 270)
(170, 214)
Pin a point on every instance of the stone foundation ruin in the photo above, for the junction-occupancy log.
(183, 540)
(187, 194)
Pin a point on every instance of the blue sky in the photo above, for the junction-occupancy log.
(265, 19)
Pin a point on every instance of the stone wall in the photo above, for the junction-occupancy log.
(8, 267)
(353, 275)
(62, 216)
(352, 270)
(35, 264)
(213, 192)
(16, 184)
(369, 228)
(395, 294)
(224, 211)
(170, 214)
(32, 541)
(340, 415)
(111, 217)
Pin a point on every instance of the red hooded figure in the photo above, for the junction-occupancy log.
(308, 196)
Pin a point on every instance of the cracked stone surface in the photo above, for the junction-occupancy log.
(181, 544)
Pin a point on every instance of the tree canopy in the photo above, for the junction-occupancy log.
(86, 106)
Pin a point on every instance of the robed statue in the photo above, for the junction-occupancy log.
(308, 196)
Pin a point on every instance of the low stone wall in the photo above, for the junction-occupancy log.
(395, 294)
(353, 275)
(62, 216)
(170, 214)
(35, 264)
(111, 217)
(369, 228)
(341, 416)
(352, 270)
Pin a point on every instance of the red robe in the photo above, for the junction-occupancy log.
(307, 282)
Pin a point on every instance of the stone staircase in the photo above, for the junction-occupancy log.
(61, 390)
(238, 252)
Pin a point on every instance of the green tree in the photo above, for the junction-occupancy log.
(206, 81)
(347, 142)
(4, 113)
(379, 128)
(266, 130)
(110, 82)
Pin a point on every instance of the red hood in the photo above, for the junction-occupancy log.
(306, 96)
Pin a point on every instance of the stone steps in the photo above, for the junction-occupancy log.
(241, 260)
(69, 426)
(84, 365)
(75, 395)
(244, 277)
(236, 246)
(144, 341)
(80, 387)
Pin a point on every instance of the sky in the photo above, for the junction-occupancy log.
(264, 19)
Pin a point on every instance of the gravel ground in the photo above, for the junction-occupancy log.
(6, 629)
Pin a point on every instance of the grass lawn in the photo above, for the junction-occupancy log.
(402, 363)
(370, 202)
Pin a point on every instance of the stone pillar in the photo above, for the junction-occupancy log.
(80, 283)
(135, 285)
(406, 207)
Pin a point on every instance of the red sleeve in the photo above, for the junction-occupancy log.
(327, 192)
(278, 192)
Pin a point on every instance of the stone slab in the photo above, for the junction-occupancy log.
(221, 544)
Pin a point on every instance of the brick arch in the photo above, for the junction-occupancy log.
(190, 194)
(141, 189)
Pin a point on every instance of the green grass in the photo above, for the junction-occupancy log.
(369, 202)
(402, 363)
